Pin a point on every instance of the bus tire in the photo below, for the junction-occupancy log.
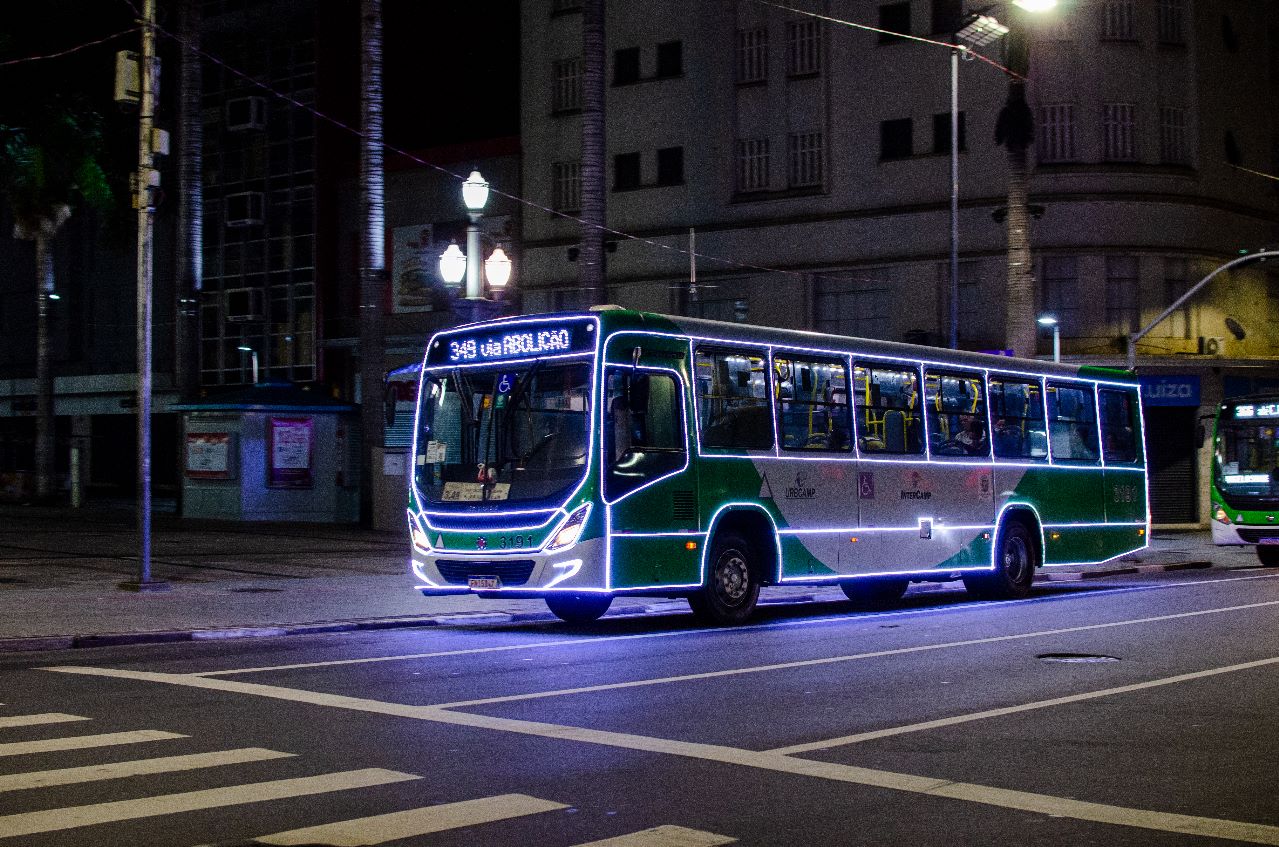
(1269, 555)
(874, 593)
(1015, 560)
(731, 590)
(578, 608)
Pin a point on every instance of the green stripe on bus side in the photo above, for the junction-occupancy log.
(1063, 496)
(1079, 545)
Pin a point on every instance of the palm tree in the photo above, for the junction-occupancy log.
(1015, 130)
(591, 259)
(47, 168)
(190, 238)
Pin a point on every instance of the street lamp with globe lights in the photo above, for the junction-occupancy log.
(456, 265)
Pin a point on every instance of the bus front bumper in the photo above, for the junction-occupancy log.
(578, 568)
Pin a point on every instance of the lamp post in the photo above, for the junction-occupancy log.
(456, 265)
(244, 348)
(1051, 320)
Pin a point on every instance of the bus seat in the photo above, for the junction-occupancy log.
(894, 431)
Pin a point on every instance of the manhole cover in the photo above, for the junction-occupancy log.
(257, 590)
(1076, 658)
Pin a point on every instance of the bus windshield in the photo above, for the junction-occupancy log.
(1247, 460)
(513, 434)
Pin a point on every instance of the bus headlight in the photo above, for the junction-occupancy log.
(420, 542)
(571, 530)
(1220, 516)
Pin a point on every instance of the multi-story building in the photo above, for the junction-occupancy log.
(812, 158)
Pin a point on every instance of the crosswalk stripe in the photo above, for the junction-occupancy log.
(664, 836)
(37, 720)
(140, 767)
(78, 742)
(380, 829)
(52, 820)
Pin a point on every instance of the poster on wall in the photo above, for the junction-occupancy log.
(415, 282)
(289, 449)
(208, 455)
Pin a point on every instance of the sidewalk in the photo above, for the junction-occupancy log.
(60, 568)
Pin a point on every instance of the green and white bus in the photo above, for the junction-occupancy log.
(1245, 475)
(578, 457)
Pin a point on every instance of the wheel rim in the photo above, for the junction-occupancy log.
(1016, 559)
(731, 578)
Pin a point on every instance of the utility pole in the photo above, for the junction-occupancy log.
(146, 179)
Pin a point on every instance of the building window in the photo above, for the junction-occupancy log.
(843, 309)
(670, 59)
(894, 17)
(1123, 307)
(568, 85)
(566, 186)
(1061, 292)
(752, 164)
(752, 55)
(1117, 20)
(670, 166)
(896, 139)
(941, 133)
(626, 66)
(1172, 21)
(1173, 149)
(1056, 135)
(626, 171)
(805, 154)
(1176, 283)
(1117, 125)
(803, 47)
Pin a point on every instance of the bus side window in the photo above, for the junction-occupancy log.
(955, 409)
(1072, 423)
(1017, 412)
(733, 407)
(887, 409)
(1118, 425)
(812, 404)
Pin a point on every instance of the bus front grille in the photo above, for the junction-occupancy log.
(1252, 536)
(509, 571)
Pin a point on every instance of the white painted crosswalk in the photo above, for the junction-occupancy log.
(399, 826)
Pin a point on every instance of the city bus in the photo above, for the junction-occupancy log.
(579, 457)
(1245, 475)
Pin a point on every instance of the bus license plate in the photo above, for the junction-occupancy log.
(1268, 541)
(484, 583)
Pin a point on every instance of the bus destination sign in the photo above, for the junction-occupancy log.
(1257, 410)
(518, 341)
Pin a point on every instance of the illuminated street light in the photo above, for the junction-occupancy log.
(1051, 320)
(244, 348)
(1035, 5)
(453, 264)
(456, 265)
(497, 269)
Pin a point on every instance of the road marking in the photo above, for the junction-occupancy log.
(79, 742)
(830, 660)
(117, 770)
(1011, 710)
(664, 836)
(38, 720)
(52, 820)
(930, 786)
(380, 829)
(604, 639)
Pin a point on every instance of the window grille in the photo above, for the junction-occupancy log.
(1117, 20)
(752, 164)
(568, 85)
(1173, 146)
(752, 55)
(566, 186)
(1118, 132)
(804, 47)
(806, 155)
(1056, 135)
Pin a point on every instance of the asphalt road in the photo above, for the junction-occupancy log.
(943, 722)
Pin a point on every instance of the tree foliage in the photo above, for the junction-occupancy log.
(51, 163)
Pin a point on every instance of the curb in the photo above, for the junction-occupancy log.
(121, 639)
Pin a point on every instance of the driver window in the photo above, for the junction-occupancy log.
(643, 429)
(956, 414)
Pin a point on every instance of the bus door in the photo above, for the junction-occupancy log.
(649, 483)
(813, 485)
(1073, 506)
(956, 490)
(1121, 446)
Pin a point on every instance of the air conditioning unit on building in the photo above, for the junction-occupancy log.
(245, 208)
(1212, 346)
(242, 305)
(245, 113)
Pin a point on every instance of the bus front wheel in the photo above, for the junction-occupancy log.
(1269, 555)
(732, 583)
(578, 608)
(1015, 560)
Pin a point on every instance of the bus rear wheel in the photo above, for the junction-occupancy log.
(1015, 561)
(874, 593)
(1269, 555)
(578, 608)
(732, 583)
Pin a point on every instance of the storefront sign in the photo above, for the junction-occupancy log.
(209, 455)
(289, 446)
(1170, 390)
